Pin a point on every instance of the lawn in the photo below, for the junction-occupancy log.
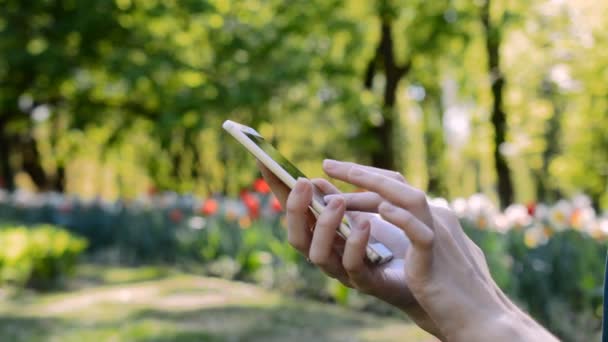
(152, 304)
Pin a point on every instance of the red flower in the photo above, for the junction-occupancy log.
(531, 208)
(176, 215)
(261, 186)
(209, 207)
(152, 190)
(275, 205)
(65, 207)
(252, 203)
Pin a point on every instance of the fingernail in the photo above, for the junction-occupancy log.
(335, 204)
(356, 172)
(329, 164)
(300, 185)
(363, 227)
(386, 207)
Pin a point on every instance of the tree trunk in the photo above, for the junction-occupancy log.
(31, 164)
(385, 155)
(6, 171)
(435, 147)
(544, 192)
(59, 180)
(499, 119)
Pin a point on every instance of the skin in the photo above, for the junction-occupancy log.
(438, 276)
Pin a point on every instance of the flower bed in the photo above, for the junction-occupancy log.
(550, 258)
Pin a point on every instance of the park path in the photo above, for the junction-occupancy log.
(183, 307)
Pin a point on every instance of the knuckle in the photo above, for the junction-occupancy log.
(407, 219)
(295, 242)
(355, 242)
(383, 181)
(292, 206)
(326, 221)
(399, 177)
(318, 259)
(352, 266)
(419, 197)
(427, 241)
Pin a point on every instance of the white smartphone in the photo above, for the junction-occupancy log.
(376, 252)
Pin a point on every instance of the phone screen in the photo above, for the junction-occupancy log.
(286, 165)
(275, 155)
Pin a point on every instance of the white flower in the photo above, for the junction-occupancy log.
(517, 215)
(535, 236)
(559, 215)
(439, 202)
(541, 212)
(583, 218)
(196, 222)
(459, 205)
(501, 223)
(23, 198)
(581, 201)
(603, 225)
(481, 211)
(3, 196)
(480, 204)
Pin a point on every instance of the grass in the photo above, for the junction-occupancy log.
(152, 304)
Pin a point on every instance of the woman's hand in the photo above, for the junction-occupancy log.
(345, 260)
(444, 270)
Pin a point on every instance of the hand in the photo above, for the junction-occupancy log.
(342, 260)
(444, 270)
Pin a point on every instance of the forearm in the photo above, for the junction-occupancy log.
(511, 325)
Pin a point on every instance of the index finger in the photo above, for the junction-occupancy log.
(398, 193)
(345, 165)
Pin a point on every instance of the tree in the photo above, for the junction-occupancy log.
(42, 47)
(499, 117)
(422, 27)
(384, 155)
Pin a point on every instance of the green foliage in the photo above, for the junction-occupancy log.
(38, 256)
(137, 90)
(557, 282)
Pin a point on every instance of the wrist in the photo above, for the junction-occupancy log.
(417, 314)
(499, 326)
(506, 325)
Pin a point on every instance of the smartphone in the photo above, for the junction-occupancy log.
(376, 252)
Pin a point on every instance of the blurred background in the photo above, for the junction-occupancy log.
(120, 194)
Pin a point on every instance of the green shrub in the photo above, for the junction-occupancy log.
(37, 257)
